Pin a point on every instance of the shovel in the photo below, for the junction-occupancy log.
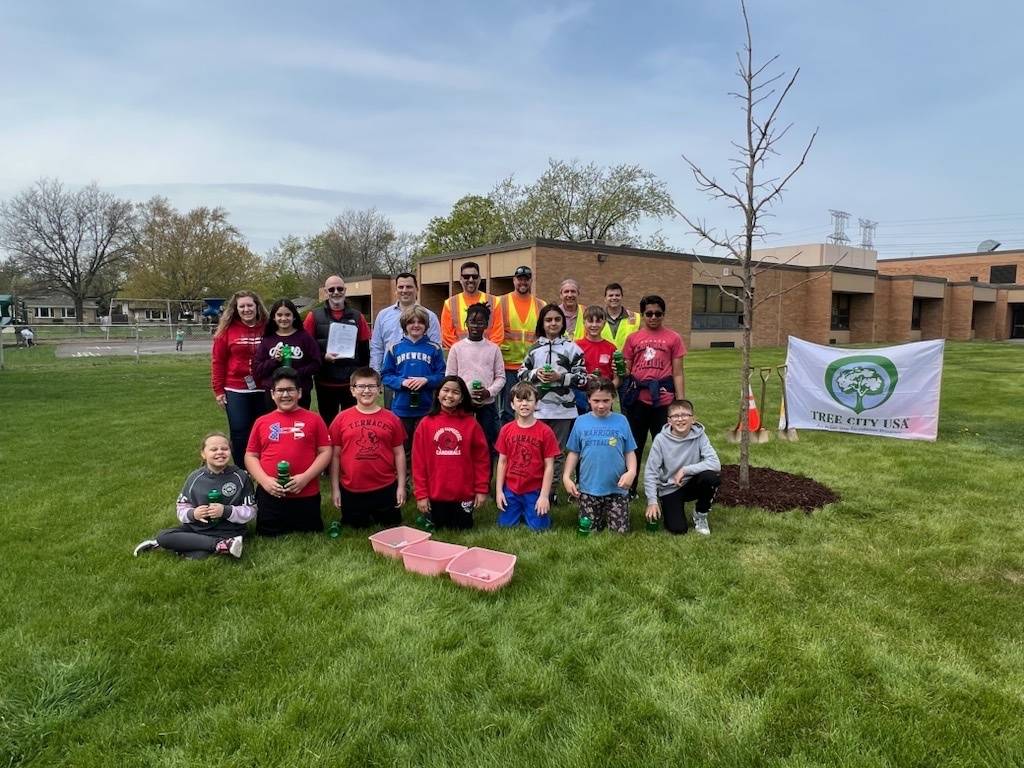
(762, 435)
(785, 432)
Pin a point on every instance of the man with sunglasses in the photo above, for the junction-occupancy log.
(453, 313)
(654, 357)
(332, 382)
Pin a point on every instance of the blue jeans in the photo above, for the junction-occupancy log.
(243, 409)
(506, 413)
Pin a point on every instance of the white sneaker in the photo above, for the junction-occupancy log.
(235, 547)
(700, 523)
(145, 546)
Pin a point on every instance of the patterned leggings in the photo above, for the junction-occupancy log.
(606, 511)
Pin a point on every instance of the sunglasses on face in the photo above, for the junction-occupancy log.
(335, 290)
(471, 277)
(654, 314)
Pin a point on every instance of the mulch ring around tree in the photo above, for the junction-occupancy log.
(772, 490)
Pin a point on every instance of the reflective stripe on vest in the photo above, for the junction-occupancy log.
(627, 325)
(520, 333)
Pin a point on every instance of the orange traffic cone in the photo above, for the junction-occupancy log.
(753, 416)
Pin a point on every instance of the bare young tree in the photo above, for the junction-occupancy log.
(761, 95)
(71, 241)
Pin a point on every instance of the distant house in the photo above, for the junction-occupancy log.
(54, 309)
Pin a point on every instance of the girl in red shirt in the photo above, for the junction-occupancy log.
(453, 464)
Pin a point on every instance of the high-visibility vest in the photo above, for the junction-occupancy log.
(520, 332)
(578, 331)
(627, 325)
(453, 318)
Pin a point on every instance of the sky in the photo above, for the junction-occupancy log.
(286, 114)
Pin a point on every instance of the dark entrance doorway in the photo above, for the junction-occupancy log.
(1017, 322)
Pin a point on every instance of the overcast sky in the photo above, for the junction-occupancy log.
(288, 113)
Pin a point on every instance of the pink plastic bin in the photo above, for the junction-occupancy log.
(430, 557)
(392, 541)
(482, 568)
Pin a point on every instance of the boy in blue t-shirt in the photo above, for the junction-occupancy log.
(603, 446)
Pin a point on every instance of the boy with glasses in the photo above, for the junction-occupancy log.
(297, 436)
(654, 358)
(368, 470)
(682, 466)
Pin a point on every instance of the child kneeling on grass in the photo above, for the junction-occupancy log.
(682, 466)
(210, 526)
(526, 464)
(368, 467)
(602, 443)
(299, 437)
(453, 466)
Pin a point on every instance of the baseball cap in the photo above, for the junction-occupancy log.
(523, 271)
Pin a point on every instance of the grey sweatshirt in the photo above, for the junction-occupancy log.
(670, 453)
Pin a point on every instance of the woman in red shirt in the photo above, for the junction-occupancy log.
(232, 367)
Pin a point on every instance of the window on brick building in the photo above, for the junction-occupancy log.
(714, 310)
(1007, 273)
(840, 312)
(915, 315)
(44, 311)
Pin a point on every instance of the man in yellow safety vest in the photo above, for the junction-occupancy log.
(517, 314)
(621, 322)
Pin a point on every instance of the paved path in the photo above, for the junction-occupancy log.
(114, 348)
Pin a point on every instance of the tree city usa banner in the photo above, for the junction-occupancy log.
(891, 391)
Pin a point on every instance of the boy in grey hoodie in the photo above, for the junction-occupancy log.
(682, 466)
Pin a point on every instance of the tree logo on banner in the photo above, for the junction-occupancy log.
(862, 382)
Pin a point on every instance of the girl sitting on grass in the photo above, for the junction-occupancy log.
(453, 464)
(210, 526)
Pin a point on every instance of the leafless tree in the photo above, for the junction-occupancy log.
(761, 95)
(73, 242)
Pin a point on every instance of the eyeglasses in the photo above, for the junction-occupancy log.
(285, 391)
(654, 314)
(364, 387)
(680, 416)
(333, 289)
(470, 277)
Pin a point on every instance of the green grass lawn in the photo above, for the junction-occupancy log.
(882, 630)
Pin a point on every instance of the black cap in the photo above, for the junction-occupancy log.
(523, 271)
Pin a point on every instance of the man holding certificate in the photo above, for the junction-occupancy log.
(344, 340)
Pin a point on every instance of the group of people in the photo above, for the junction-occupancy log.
(506, 389)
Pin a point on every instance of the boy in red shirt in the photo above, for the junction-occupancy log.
(598, 353)
(368, 468)
(299, 437)
(526, 464)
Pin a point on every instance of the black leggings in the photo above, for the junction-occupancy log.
(701, 487)
(644, 420)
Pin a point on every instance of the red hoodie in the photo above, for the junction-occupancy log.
(451, 458)
(233, 356)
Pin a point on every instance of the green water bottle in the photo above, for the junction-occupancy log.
(283, 473)
(414, 398)
(335, 530)
(620, 363)
(286, 355)
(583, 530)
(545, 385)
(477, 386)
(213, 497)
(424, 523)
(596, 373)
(652, 526)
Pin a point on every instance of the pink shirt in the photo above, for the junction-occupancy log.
(651, 354)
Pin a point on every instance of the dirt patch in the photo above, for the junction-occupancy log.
(773, 490)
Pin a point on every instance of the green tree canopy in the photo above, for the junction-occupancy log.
(474, 222)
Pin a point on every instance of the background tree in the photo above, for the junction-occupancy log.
(577, 202)
(72, 242)
(475, 221)
(354, 243)
(187, 256)
(751, 196)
